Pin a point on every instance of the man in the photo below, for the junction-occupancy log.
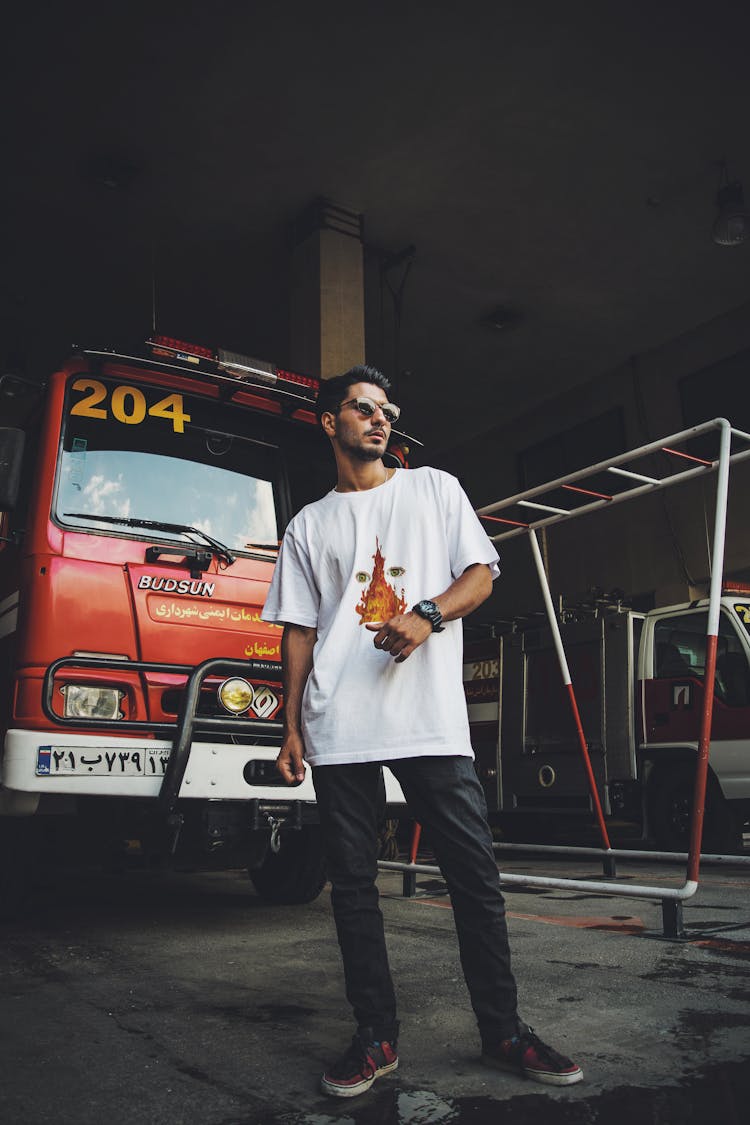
(371, 585)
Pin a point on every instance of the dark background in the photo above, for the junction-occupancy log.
(554, 166)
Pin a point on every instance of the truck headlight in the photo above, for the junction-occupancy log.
(82, 701)
(236, 695)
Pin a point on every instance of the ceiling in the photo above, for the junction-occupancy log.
(559, 162)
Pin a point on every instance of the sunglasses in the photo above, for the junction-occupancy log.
(367, 407)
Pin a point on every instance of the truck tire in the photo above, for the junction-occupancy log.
(670, 806)
(296, 873)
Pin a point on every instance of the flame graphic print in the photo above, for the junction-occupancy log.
(380, 600)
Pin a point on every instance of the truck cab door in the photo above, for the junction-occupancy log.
(673, 698)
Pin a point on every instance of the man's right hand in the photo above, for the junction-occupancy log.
(297, 644)
(290, 762)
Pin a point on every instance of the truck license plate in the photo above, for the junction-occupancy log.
(78, 761)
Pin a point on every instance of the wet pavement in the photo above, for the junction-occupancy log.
(721, 1094)
(178, 998)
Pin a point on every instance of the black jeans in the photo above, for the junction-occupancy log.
(445, 796)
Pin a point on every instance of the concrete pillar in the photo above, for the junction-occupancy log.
(327, 322)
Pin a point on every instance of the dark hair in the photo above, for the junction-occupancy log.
(333, 391)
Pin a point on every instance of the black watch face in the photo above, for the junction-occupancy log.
(430, 612)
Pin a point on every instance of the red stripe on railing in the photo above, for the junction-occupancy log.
(701, 768)
(685, 456)
(586, 492)
(587, 766)
(496, 519)
(416, 833)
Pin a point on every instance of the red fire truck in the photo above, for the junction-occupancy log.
(142, 499)
(639, 682)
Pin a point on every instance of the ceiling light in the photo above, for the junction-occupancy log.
(732, 224)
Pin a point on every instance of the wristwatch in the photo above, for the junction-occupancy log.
(431, 613)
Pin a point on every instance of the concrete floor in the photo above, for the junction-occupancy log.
(171, 998)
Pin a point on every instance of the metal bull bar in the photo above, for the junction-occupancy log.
(187, 722)
(633, 484)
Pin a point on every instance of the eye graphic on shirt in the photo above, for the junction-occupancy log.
(380, 600)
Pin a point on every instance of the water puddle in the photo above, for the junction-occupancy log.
(719, 1093)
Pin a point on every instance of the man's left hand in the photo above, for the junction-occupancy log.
(400, 635)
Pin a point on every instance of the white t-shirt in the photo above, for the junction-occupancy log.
(353, 557)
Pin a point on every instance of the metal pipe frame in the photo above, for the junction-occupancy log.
(633, 890)
(633, 493)
(565, 671)
(223, 725)
(624, 853)
(671, 897)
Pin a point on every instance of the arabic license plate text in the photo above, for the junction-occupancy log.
(78, 761)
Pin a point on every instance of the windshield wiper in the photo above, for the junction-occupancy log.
(220, 549)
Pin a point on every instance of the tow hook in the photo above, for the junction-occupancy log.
(275, 824)
(173, 826)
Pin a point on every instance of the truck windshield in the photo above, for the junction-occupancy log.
(141, 453)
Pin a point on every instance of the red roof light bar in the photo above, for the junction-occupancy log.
(300, 380)
(236, 364)
(244, 366)
(731, 587)
(175, 345)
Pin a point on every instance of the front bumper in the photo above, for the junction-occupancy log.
(215, 771)
(111, 764)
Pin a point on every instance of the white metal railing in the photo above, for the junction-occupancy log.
(628, 484)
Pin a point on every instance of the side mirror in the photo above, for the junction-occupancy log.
(11, 459)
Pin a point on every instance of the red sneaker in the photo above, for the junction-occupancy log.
(526, 1054)
(358, 1068)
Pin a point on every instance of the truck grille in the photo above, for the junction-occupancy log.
(210, 708)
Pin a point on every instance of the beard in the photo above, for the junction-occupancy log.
(367, 454)
(361, 452)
